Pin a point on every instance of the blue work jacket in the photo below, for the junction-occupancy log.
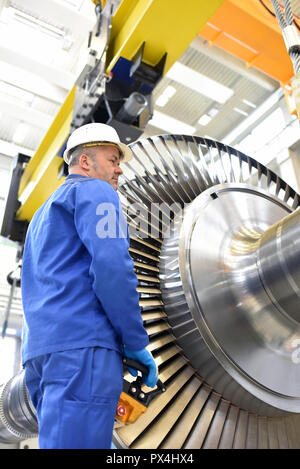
(78, 283)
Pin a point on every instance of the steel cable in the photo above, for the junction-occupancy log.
(285, 20)
(288, 12)
(279, 14)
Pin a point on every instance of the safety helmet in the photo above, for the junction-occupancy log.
(96, 133)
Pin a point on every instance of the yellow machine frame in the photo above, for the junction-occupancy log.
(165, 26)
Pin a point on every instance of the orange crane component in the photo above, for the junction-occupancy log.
(250, 32)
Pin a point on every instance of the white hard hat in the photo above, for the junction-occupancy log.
(96, 133)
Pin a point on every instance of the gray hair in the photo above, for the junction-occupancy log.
(78, 151)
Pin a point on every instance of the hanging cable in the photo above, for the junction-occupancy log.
(288, 12)
(273, 14)
(292, 42)
(265, 6)
(279, 14)
(290, 33)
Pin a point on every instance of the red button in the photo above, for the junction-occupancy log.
(121, 410)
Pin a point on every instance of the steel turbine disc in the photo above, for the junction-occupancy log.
(211, 402)
(204, 221)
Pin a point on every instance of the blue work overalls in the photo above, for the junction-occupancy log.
(81, 307)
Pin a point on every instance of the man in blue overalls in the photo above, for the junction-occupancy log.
(81, 306)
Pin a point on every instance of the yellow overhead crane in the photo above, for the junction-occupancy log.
(133, 44)
(160, 30)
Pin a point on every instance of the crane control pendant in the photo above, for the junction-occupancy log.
(134, 401)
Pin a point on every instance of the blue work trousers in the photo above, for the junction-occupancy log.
(75, 394)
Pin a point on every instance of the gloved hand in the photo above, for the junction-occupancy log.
(143, 356)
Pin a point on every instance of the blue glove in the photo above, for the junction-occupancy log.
(144, 357)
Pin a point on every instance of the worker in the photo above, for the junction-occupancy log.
(81, 306)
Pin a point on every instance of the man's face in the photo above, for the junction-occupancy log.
(106, 165)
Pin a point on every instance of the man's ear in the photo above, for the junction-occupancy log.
(85, 161)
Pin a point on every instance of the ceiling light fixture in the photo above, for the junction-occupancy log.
(200, 83)
(213, 111)
(249, 103)
(244, 113)
(204, 120)
(169, 124)
(20, 133)
(207, 117)
(161, 100)
(165, 96)
(73, 3)
(36, 23)
(16, 92)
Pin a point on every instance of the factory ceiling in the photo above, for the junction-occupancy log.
(208, 92)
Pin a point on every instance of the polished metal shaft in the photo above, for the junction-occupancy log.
(278, 260)
(240, 278)
(17, 414)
